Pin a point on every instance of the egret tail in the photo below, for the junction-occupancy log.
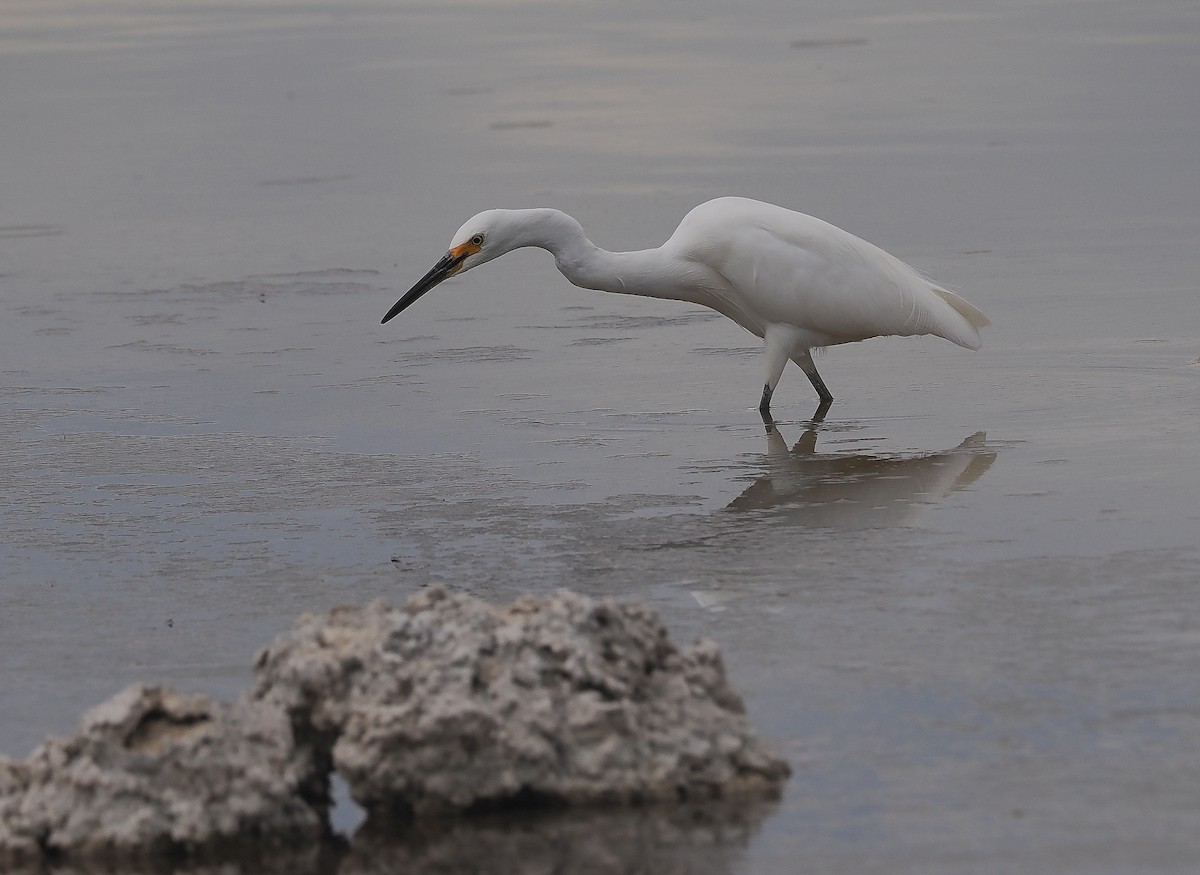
(968, 311)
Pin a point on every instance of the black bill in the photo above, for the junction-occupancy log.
(447, 266)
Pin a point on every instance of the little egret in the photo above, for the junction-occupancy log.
(795, 281)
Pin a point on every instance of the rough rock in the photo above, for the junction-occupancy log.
(445, 704)
(448, 704)
(155, 773)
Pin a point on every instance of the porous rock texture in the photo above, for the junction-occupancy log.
(154, 773)
(448, 703)
(442, 705)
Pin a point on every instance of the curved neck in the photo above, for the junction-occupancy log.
(645, 272)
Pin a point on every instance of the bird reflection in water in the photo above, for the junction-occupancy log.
(858, 491)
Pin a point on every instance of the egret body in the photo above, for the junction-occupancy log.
(795, 281)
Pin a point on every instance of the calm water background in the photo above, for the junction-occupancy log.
(980, 651)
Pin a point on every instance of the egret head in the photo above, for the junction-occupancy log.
(485, 236)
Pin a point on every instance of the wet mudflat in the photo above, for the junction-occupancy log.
(964, 605)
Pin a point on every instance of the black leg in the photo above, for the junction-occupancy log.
(819, 385)
(764, 406)
(806, 363)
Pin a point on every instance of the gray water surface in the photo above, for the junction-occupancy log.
(965, 605)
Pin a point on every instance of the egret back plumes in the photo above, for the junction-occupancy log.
(795, 281)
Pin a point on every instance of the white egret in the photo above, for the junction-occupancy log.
(795, 281)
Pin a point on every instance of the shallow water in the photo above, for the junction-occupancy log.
(965, 604)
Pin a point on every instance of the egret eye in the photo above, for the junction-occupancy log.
(477, 240)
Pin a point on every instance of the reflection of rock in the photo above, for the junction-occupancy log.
(301, 859)
(859, 491)
(448, 703)
(661, 840)
(150, 773)
(665, 839)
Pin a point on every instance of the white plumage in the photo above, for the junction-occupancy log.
(795, 281)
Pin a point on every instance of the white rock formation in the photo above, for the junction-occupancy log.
(444, 705)
(152, 773)
(448, 704)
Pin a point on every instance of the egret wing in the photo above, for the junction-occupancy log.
(790, 268)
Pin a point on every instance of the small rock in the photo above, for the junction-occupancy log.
(450, 704)
(153, 773)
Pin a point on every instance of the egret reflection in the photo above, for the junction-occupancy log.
(858, 491)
